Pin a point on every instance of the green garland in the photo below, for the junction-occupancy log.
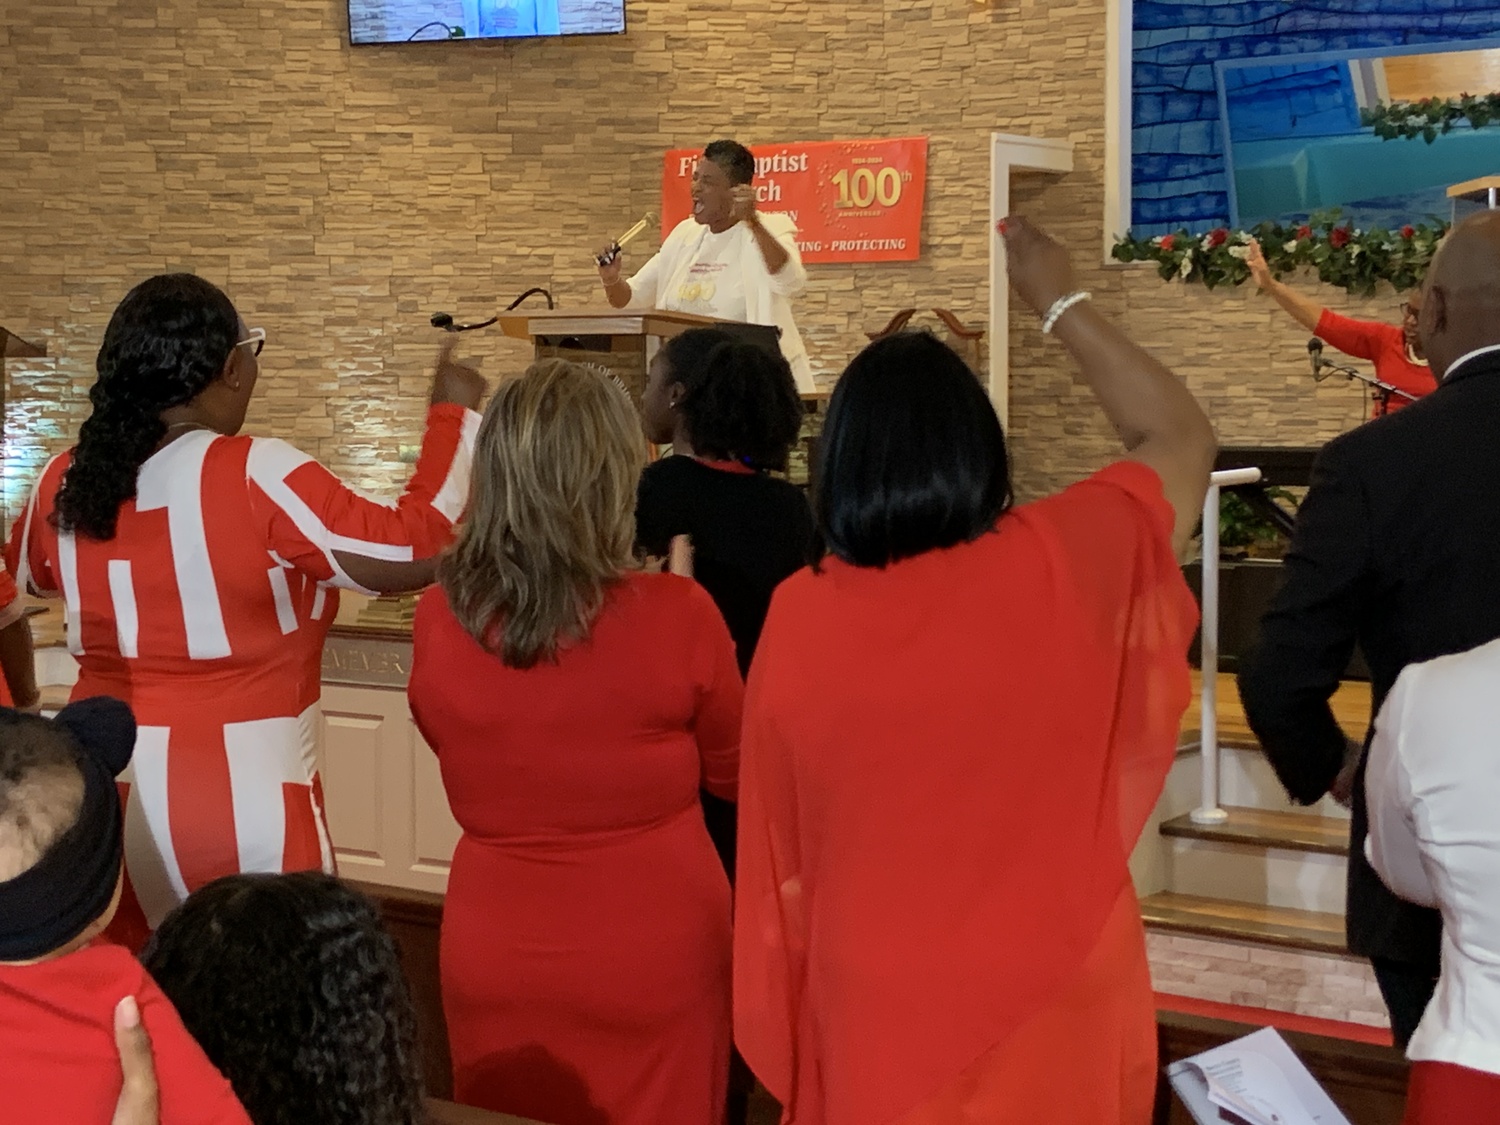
(1341, 255)
(1430, 118)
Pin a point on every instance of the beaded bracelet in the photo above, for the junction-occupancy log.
(1060, 306)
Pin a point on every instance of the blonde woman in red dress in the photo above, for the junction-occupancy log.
(200, 571)
(955, 728)
(576, 705)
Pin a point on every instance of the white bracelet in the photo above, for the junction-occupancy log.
(1062, 305)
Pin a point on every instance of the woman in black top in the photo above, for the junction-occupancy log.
(731, 412)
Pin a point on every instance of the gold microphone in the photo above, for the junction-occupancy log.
(619, 244)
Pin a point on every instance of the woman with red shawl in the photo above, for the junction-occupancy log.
(955, 728)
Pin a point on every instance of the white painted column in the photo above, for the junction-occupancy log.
(1010, 154)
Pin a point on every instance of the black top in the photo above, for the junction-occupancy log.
(1397, 547)
(749, 530)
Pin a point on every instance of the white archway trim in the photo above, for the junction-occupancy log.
(1010, 154)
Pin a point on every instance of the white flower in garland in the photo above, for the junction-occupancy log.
(1289, 247)
(1184, 270)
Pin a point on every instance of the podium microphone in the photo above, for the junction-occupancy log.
(446, 323)
(1314, 355)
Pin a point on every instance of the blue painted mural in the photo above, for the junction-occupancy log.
(1178, 167)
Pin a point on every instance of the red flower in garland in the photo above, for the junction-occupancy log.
(1339, 237)
(1217, 237)
(1304, 231)
(1408, 231)
(1168, 241)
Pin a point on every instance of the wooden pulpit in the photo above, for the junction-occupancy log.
(623, 341)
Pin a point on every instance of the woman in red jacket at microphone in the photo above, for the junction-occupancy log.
(1395, 352)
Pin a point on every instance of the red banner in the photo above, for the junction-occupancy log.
(852, 201)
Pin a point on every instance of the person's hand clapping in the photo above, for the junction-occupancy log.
(613, 259)
(140, 1101)
(1260, 269)
(453, 381)
(742, 210)
(1039, 268)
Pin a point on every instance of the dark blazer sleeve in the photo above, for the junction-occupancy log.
(1308, 635)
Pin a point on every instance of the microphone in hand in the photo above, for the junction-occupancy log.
(1315, 355)
(444, 321)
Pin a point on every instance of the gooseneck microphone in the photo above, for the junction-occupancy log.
(446, 322)
(1315, 355)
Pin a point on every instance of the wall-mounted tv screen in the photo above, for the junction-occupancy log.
(400, 21)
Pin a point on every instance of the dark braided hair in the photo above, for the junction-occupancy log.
(739, 400)
(168, 340)
(294, 990)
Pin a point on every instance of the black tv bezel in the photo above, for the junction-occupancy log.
(353, 42)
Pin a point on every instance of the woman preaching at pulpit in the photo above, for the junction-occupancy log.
(727, 260)
(955, 728)
(199, 568)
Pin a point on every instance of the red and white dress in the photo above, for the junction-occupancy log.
(207, 613)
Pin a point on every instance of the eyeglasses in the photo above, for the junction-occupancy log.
(257, 337)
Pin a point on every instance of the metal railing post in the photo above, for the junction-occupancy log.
(1209, 810)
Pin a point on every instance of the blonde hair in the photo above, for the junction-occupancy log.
(551, 520)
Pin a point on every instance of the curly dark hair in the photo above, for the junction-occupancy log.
(294, 990)
(739, 400)
(167, 341)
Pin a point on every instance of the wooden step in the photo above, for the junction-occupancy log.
(1244, 921)
(1350, 703)
(1267, 828)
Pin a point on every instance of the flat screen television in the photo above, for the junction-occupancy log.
(400, 21)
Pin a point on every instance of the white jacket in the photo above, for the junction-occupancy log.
(1432, 788)
(767, 294)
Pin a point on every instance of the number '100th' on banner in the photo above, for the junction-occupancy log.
(852, 201)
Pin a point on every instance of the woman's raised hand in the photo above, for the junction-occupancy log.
(1260, 270)
(1039, 268)
(455, 382)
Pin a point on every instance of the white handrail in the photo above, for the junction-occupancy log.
(1209, 810)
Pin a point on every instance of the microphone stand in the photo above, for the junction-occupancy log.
(1380, 390)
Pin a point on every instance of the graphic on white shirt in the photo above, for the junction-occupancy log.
(714, 284)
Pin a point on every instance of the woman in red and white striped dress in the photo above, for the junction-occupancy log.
(200, 570)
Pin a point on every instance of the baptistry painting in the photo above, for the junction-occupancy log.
(1379, 136)
(1293, 77)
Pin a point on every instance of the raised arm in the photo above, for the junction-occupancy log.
(1304, 310)
(328, 530)
(1159, 422)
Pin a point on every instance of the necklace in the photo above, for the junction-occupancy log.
(187, 426)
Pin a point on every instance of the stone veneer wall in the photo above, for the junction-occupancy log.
(1256, 976)
(341, 194)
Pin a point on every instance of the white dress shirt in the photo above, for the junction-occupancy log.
(1432, 785)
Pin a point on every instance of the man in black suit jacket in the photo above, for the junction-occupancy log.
(1397, 548)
